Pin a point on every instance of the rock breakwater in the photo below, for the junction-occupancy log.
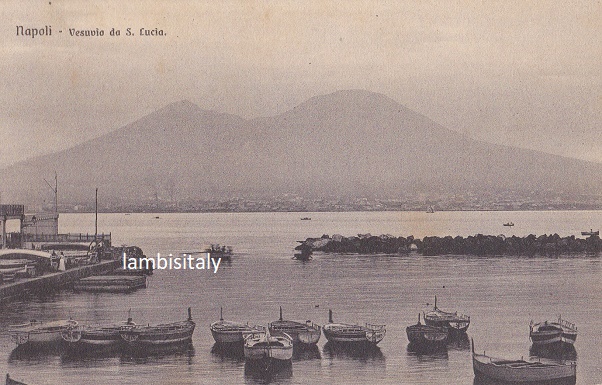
(478, 244)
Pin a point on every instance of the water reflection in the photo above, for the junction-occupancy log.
(182, 353)
(229, 352)
(353, 351)
(560, 352)
(482, 380)
(306, 352)
(459, 342)
(35, 353)
(275, 373)
(422, 350)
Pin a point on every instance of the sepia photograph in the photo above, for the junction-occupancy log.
(301, 192)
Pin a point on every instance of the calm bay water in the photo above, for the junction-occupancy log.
(501, 294)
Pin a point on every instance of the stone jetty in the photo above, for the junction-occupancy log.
(479, 244)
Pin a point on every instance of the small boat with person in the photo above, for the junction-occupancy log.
(265, 350)
(10, 381)
(38, 332)
(453, 322)
(521, 371)
(151, 336)
(229, 332)
(219, 251)
(552, 333)
(426, 336)
(353, 334)
(306, 333)
(509, 224)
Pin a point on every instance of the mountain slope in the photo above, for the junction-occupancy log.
(348, 143)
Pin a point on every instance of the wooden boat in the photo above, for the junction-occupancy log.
(549, 333)
(426, 336)
(353, 334)
(96, 336)
(111, 283)
(306, 219)
(453, 322)
(265, 350)
(141, 337)
(590, 233)
(10, 381)
(520, 371)
(228, 332)
(510, 224)
(306, 333)
(37, 332)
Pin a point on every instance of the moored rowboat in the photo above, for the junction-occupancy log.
(229, 332)
(37, 332)
(306, 333)
(141, 337)
(549, 333)
(454, 322)
(520, 371)
(265, 350)
(353, 334)
(426, 336)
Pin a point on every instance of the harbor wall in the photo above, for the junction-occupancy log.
(53, 281)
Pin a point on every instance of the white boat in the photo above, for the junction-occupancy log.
(521, 371)
(550, 333)
(353, 334)
(228, 332)
(306, 333)
(37, 332)
(263, 349)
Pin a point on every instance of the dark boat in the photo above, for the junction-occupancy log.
(453, 322)
(306, 219)
(96, 336)
(306, 333)
(426, 336)
(552, 333)
(510, 224)
(520, 371)
(590, 233)
(10, 381)
(141, 337)
(353, 334)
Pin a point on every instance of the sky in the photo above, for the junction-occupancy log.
(515, 72)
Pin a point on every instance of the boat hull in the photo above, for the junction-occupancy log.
(427, 336)
(307, 334)
(521, 373)
(353, 337)
(265, 351)
(228, 337)
(158, 336)
(552, 333)
(40, 333)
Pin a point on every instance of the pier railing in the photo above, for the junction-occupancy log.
(70, 237)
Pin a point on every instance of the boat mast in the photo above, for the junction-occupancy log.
(55, 190)
(96, 218)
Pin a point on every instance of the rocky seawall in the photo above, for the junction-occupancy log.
(472, 245)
